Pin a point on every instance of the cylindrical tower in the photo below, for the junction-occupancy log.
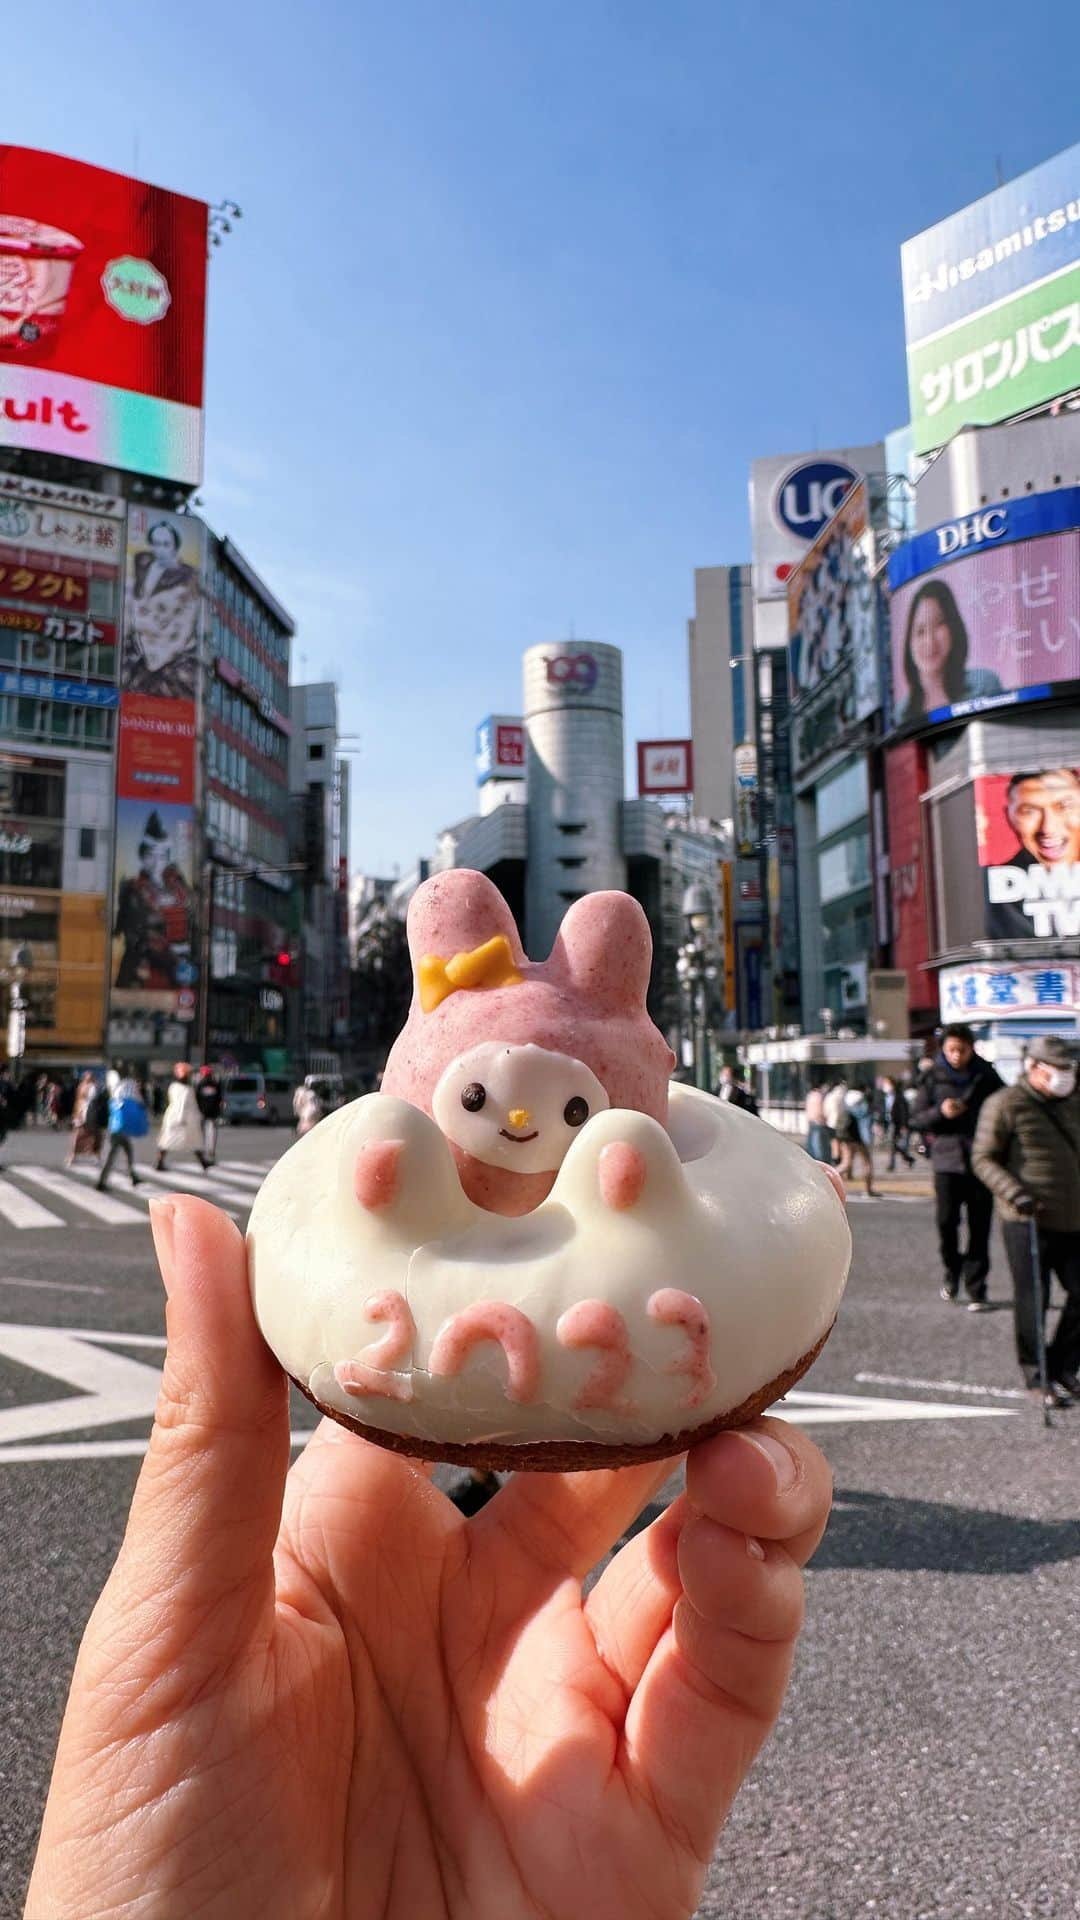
(574, 780)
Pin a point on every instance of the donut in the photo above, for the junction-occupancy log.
(530, 1249)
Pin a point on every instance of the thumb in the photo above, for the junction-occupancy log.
(198, 1549)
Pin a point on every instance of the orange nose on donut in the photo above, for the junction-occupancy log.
(519, 1117)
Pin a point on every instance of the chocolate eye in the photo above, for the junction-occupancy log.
(473, 1096)
(576, 1111)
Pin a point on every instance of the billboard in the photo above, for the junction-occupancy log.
(1027, 827)
(1003, 989)
(162, 603)
(992, 304)
(154, 961)
(833, 606)
(102, 316)
(500, 748)
(982, 613)
(664, 766)
(156, 749)
(792, 497)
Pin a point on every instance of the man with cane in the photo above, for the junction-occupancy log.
(1027, 1151)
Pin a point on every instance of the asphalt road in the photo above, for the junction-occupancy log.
(925, 1765)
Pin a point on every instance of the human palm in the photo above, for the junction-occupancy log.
(354, 1704)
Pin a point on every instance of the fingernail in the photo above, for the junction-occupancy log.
(162, 1225)
(779, 1457)
(754, 1548)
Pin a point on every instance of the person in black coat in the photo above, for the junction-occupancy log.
(945, 1107)
(209, 1100)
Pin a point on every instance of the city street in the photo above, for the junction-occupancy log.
(925, 1763)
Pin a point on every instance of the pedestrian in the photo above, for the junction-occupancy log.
(9, 1104)
(852, 1122)
(946, 1109)
(894, 1118)
(735, 1091)
(181, 1129)
(819, 1135)
(87, 1123)
(210, 1655)
(1027, 1151)
(208, 1096)
(127, 1123)
(306, 1108)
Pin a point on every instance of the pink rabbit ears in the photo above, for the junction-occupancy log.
(462, 936)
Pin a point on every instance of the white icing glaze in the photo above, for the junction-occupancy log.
(521, 1124)
(745, 1224)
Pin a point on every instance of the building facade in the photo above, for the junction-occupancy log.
(61, 587)
(318, 783)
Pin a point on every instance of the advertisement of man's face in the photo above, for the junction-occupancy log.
(1028, 831)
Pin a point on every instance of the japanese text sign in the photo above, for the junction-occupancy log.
(1000, 989)
(992, 304)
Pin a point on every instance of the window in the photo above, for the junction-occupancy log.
(87, 842)
(841, 798)
(316, 751)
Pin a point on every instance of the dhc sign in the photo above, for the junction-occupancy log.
(810, 494)
(1002, 523)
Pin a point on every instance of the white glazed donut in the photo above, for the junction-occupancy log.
(669, 1281)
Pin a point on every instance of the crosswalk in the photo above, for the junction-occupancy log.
(36, 1198)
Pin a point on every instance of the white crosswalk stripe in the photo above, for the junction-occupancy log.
(22, 1210)
(151, 1182)
(101, 1206)
(205, 1185)
(229, 1185)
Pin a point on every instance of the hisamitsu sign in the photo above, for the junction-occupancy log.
(992, 304)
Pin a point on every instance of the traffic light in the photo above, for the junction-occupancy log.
(281, 966)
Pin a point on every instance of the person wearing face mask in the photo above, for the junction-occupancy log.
(1027, 1151)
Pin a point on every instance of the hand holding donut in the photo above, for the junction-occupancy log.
(325, 1692)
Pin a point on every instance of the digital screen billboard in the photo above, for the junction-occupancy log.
(1027, 826)
(985, 611)
(102, 316)
(992, 304)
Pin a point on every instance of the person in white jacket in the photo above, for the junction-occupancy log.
(181, 1123)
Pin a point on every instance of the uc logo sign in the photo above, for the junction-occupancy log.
(576, 672)
(810, 494)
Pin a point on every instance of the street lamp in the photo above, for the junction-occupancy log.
(20, 964)
(695, 970)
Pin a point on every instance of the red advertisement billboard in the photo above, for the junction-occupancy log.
(102, 316)
(1027, 825)
(156, 750)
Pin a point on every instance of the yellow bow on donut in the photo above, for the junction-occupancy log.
(491, 965)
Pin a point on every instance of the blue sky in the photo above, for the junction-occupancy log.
(519, 292)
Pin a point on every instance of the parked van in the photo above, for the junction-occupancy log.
(254, 1098)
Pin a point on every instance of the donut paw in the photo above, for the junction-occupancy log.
(621, 1172)
(376, 1175)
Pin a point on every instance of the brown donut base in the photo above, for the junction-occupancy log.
(571, 1456)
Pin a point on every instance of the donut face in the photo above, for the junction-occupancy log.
(516, 1107)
